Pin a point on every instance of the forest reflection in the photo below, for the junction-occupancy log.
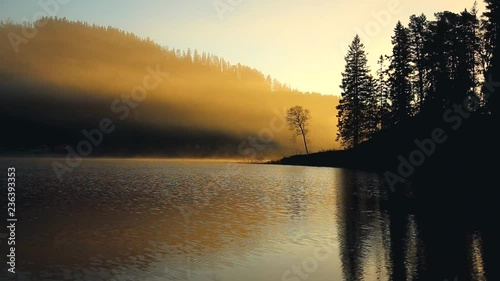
(410, 240)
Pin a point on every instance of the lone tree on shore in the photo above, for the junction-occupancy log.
(297, 119)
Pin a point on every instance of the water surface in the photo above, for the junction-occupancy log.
(179, 220)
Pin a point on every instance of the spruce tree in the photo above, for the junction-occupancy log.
(441, 52)
(382, 95)
(492, 26)
(452, 52)
(356, 108)
(466, 44)
(418, 33)
(400, 70)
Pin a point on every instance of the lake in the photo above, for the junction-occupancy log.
(145, 219)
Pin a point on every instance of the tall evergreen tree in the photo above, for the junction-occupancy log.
(452, 49)
(418, 33)
(492, 27)
(443, 57)
(466, 44)
(476, 34)
(400, 70)
(355, 110)
(382, 95)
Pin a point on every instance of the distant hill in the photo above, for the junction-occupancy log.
(66, 78)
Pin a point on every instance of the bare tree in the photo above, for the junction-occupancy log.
(297, 119)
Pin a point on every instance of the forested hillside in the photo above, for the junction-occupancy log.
(206, 107)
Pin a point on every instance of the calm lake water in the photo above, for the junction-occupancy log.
(174, 220)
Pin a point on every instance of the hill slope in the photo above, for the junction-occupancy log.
(66, 78)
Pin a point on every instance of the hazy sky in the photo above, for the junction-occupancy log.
(300, 42)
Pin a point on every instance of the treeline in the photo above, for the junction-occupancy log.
(64, 78)
(188, 60)
(435, 65)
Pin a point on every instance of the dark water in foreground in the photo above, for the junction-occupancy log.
(167, 220)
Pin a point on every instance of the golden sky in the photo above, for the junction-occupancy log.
(300, 42)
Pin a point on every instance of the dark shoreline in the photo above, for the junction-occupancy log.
(437, 159)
